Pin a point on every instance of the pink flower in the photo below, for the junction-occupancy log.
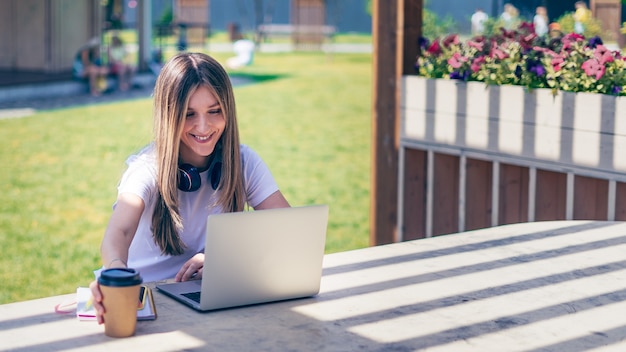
(569, 40)
(527, 41)
(593, 67)
(452, 39)
(603, 54)
(476, 45)
(457, 60)
(434, 48)
(575, 37)
(497, 53)
(477, 63)
(557, 62)
(546, 51)
(507, 34)
(527, 27)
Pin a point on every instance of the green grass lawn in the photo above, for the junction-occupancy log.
(308, 115)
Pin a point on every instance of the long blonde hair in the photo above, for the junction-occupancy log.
(179, 78)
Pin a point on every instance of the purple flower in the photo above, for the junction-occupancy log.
(463, 76)
(535, 67)
(423, 43)
(616, 90)
(595, 41)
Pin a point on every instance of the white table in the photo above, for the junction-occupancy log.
(545, 286)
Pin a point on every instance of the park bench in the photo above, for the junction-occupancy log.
(301, 35)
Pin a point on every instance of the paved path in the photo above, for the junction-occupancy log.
(18, 101)
(60, 95)
(47, 103)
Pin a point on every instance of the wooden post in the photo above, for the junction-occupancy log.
(609, 13)
(308, 13)
(396, 28)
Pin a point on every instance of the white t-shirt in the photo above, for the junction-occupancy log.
(140, 179)
(541, 26)
(478, 22)
(244, 51)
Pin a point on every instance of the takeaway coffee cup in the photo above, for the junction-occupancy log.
(120, 292)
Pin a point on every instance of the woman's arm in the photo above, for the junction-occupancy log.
(275, 200)
(117, 238)
(121, 230)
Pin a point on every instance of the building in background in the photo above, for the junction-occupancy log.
(42, 37)
(345, 15)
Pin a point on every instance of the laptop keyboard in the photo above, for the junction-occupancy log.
(194, 296)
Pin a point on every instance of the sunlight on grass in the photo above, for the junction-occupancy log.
(309, 119)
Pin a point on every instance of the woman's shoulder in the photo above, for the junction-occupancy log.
(144, 158)
(249, 155)
(245, 150)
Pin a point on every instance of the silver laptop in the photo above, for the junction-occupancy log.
(257, 257)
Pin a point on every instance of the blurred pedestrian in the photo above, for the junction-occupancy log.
(478, 21)
(509, 16)
(88, 65)
(118, 65)
(555, 31)
(242, 47)
(540, 21)
(581, 16)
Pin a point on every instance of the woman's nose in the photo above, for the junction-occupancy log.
(204, 122)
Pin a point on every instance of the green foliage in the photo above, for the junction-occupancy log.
(308, 116)
(166, 17)
(592, 25)
(432, 25)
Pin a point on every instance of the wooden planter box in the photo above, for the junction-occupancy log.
(475, 156)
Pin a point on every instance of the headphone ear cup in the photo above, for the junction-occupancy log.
(215, 170)
(188, 178)
(215, 175)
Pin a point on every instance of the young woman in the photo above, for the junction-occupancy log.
(194, 167)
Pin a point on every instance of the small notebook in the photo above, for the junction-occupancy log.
(146, 309)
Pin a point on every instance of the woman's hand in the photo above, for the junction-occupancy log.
(192, 269)
(97, 301)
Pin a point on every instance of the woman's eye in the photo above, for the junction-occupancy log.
(216, 111)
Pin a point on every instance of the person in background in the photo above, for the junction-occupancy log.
(478, 21)
(555, 31)
(195, 166)
(540, 21)
(118, 65)
(88, 65)
(581, 15)
(242, 47)
(509, 16)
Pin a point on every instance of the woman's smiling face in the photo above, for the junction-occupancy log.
(204, 125)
